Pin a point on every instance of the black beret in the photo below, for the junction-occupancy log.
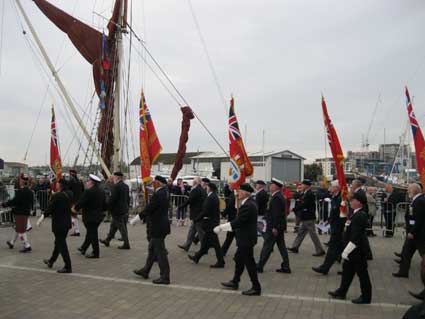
(72, 171)
(118, 174)
(260, 182)
(206, 180)
(246, 187)
(361, 197)
(306, 182)
(212, 186)
(160, 179)
(277, 182)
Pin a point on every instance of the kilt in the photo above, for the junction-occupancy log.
(21, 223)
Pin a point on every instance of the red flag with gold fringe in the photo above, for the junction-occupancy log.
(55, 159)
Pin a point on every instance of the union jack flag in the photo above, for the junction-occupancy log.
(418, 138)
(240, 165)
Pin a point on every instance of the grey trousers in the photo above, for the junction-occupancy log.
(268, 245)
(119, 223)
(194, 228)
(158, 252)
(308, 226)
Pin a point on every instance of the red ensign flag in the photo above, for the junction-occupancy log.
(55, 158)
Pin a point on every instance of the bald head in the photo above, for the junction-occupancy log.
(413, 190)
(356, 183)
(197, 181)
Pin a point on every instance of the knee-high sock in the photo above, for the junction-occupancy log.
(25, 239)
(76, 227)
(28, 224)
(14, 239)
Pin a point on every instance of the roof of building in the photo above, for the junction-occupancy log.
(15, 164)
(168, 158)
(284, 153)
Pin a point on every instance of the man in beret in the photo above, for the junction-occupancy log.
(276, 221)
(156, 214)
(119, 203)
(210, 218)
(245, 228)
(355, 253)
(92, 203)
(21, 207)
(261, 197)
(307, 212)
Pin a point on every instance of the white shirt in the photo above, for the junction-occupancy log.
(208, 195)
(356, 210)
(244, 201)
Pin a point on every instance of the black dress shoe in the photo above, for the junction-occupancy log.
(231, 285)
(293, 250)
(322, 253)
(360, 301)
(26, 250)
(193, 258)
(217, 265)
(400, 275)
(48, 263)
(9, 244)
(124, 247)
(81, 250)
(104, 241)
(161, 281)
(64, 271)
(252, 292)
(397, 254)
(91, 256)
(370, 257)
(75, 235)
(284, 270)
(398, 261)
(319, 270)
(336, 295)
(326, 244)
(260, 270)
(420, 296)
(185, 248)
(339, 273)
(141, 273)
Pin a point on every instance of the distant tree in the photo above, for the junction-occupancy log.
(312, 171)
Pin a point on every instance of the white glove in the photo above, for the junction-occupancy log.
(217, 229)
(40, 220)
(348, 249)
(327, 199)
(134, 220)
(226, 227)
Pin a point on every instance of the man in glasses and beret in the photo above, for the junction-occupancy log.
(245, 228)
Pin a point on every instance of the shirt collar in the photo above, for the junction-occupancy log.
(356, 210)
(244, 201)
(275, 193)
(416, 196)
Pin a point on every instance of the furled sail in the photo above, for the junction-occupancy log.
(100, 51)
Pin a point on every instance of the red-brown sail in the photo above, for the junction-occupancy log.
(100, 51)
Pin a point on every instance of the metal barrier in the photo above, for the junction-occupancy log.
(6, 218)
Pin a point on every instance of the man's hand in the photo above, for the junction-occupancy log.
(134, 220)
(275, 232)
(217, 229)
(40, 220)
(410, 236)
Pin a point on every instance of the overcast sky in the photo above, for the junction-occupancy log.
(275, 56)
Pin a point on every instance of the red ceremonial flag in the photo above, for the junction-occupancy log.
(240, 166)
(55, 158)
(150, 147)
(418, 138)
(338, 157)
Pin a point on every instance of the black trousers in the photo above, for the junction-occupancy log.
(389, 217)
(335, 248)
(61, 248)
(409, 249)
(119, 223)
(227, 242)
(158, 252)
(244, 257)
(356, 265)
(269, 242)
(210, 240)
(92, 237)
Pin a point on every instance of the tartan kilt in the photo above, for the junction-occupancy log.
(21, 223)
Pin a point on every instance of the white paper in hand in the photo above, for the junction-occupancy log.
(134, 220)
(217, 229)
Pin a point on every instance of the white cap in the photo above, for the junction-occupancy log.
(94, 178)
(277, 182)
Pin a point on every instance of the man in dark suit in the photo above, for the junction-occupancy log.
(261, 197)
(230, 213)
(156, 212)
(92, 204)
(76, 186)
(389, 202)
(195, 201)
(336, 223)
(60, 209)
(276, 221)
(307, 212)
(245, 228)
(418, 311)
(210, 218)
(354, 254)
(119, 203)
(415, 229)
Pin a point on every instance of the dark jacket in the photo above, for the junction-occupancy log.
(195, 200)
(356, 232)
(210, 215)
(230, 210)
(366, 207)
(119, 201)
(392, 200)
(416, 225)
(335, 221)
(77, 188)
(275, 215)
(22, 202)
(156, 214)
(307, 206)
(92, 203)
(60, 209)
(262, 199)
(245, 224)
